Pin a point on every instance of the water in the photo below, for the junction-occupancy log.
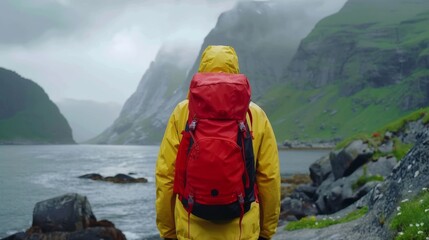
(298, 161)
(29, 174)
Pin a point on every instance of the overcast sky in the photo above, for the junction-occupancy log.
(99, 49)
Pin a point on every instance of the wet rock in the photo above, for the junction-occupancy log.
(16, 236)
(118, 178)
(67, 213)
(93, 176)
(68, 217)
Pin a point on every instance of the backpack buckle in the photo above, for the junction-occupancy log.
(193, 125)
(243, 129)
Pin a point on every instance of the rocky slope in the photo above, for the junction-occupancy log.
(27, 115)
(144, 116)
(363, 66)
(265, 36)
(364, 173)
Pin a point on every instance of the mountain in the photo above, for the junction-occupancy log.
(144, 115)
(88, 118)
(265, 36)
(27, 115)
(356, 71)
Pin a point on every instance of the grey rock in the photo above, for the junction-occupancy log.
(346, 161)
(67, 213)
(386, 147)
(93, 176)
(297, 208)
(320, 170)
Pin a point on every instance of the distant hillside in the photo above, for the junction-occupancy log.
(88, 118)
(27, 115)
(356, 71)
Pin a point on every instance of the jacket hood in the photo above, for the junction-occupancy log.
(219, 59)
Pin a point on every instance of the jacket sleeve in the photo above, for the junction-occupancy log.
(268, 180)
(165, 198)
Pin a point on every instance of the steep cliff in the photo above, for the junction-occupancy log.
(143, 117)
(356, 71)
(27, 115)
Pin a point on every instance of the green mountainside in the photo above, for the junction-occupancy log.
(27, 115)
(358, 70)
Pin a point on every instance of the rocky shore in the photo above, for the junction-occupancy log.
(363, 173)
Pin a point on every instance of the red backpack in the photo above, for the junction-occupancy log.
(215, 167)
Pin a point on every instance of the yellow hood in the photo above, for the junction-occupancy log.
(219, 59)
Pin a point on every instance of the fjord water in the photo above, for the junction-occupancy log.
(29, 174)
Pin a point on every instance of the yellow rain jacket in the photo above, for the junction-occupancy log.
(261, 220)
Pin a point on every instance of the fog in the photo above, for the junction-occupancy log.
(99, 49)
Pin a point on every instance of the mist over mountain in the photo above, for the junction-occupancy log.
(265, 35)
(143, 116)
(88, 118)
(27, 115)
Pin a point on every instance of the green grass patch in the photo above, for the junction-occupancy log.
(365, 179)
(313, 222)
(412, 219)
(400, 149)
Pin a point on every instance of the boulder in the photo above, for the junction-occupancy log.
(299, 209)
(320, 170)
(67, 213)
(67, 217)
(347, 160)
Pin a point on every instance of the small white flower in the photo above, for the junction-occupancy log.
(398, 209)
(427, 238)
(421, 224)
(317, 223)
(410, 191)
(405, 200)
(421, 201)
(400, 233)
(424, 189)
(411, 225)
(417, 225)
(399, 213)
(416, 174)
(427, 210)
(420, 232)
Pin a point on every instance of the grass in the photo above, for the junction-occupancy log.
(412, 219)
(400, 149)
(365, 179)
(308, 114)
(313, 222)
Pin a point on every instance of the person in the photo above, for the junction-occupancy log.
(260, 222)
